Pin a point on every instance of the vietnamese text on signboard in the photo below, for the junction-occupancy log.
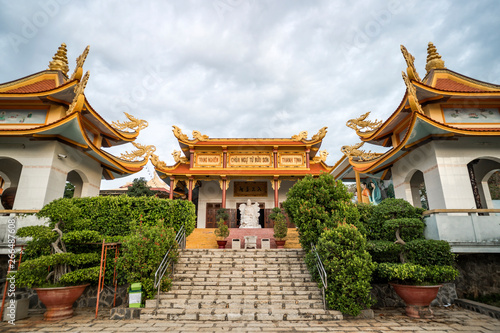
(208, 160)
(250, 189)
(250, 160)
(291, 160)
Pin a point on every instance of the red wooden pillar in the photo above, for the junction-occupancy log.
(224, 157)
(191, 157)
(224, 193)
(307, 157)
(190, 187)
(276, 193)
(275, 156)
(171, 195)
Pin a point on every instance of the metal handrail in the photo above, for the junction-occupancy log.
(322, 274)
(180, 238)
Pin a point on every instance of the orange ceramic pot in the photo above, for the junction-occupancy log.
(59, 300)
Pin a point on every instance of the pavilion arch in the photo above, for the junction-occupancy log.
(10, 172)
(480, 171)
(78, 179)
(417, 190)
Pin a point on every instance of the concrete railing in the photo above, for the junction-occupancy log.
(467, 230)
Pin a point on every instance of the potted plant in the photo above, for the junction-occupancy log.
(58, 276)
(417, 284)
(222, 231)
(280, 227)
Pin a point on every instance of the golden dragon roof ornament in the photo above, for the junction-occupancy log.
(353, 152)
(360, 123)
(77, 73)
(410, 62)
(434, 60)
(320, 135)
(412, 95)
(321, 157)
(79, 98)
(301, 136)
(143, 152)
(197, 136)
(133, 124)
(178, 157)
(59, 61)
(155, 160)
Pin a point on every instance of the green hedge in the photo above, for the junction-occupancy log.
(383, 251)
(111, 216)
(429, 252)
(416, 274)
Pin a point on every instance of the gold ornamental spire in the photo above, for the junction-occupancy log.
(434, 60)
(60, 60)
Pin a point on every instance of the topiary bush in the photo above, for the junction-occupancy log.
(390, 209)
(314, 204)
(429, 252)
(349, 268)
(414, 274)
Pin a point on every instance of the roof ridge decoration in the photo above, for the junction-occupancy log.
(79, 98)
(155, 160)
(78, 72)
(321, 157)
(178, 157)
(197, 136)
(60, 60)
(412, 95)
(434, 60)
(410, 62)
(142, 151)
(353, 152)
(301, 136)
(133, 124)
(320, 135)
(360, 123)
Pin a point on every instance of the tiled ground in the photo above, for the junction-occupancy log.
(386, 320)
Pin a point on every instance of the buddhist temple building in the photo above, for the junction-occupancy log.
(442, 146)
(224, 173)
(50, 134)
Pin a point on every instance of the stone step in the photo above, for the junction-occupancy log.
(243, 283)
(242, 314)
(240, 297)
(235, 303)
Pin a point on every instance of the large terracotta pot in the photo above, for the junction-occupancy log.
(59, 300)
(222, 243)
(417, 299)
(280, 244)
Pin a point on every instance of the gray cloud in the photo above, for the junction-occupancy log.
(248, 68)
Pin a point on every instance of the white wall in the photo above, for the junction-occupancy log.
(444, 165)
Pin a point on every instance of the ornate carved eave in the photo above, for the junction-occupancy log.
(79, 98)
(133, 124)
(412, 95)
(354, 153)
(142, 153)
(361, 123)
(77, 73)
(197, 136)
(410, 62)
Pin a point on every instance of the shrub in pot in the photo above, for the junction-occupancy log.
(222, 231)
(61, 277)
(280, 227)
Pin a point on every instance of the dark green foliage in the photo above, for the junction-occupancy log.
(222, 231)
(429, 252)
(390, 209)
(69, 190)
(494, 186)
(34, 272)
(365, 212)
(111, 216)
(280, 227)
(40, 244)
(405, 223)
(81, 276)
(416, 274)
(222, 214)
(140, 188)
(76, 241)
(314, 204)
(383, 251)
(349, 268)
(142, 252)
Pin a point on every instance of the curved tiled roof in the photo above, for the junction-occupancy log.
(39, 86)
(451, 85)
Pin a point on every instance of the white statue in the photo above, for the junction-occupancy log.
(250, 215)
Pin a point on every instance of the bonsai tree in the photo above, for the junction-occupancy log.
(61, 267)
(280, 227)
(222, 231)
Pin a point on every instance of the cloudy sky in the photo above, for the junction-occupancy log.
(247, 68)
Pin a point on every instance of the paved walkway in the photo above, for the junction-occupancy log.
(386, 320)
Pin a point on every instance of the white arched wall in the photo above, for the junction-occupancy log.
(45, 169)
(444, 165)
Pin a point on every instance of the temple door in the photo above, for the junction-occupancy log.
(211, 222)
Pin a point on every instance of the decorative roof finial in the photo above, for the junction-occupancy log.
(60, 60)
(433, 58)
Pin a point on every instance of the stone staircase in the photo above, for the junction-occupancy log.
(244, 285)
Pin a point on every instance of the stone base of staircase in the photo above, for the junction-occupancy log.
(243, 285)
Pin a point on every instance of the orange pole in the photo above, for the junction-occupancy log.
(224, 193)
(171, 195)
(358, 186)
(99, 284)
